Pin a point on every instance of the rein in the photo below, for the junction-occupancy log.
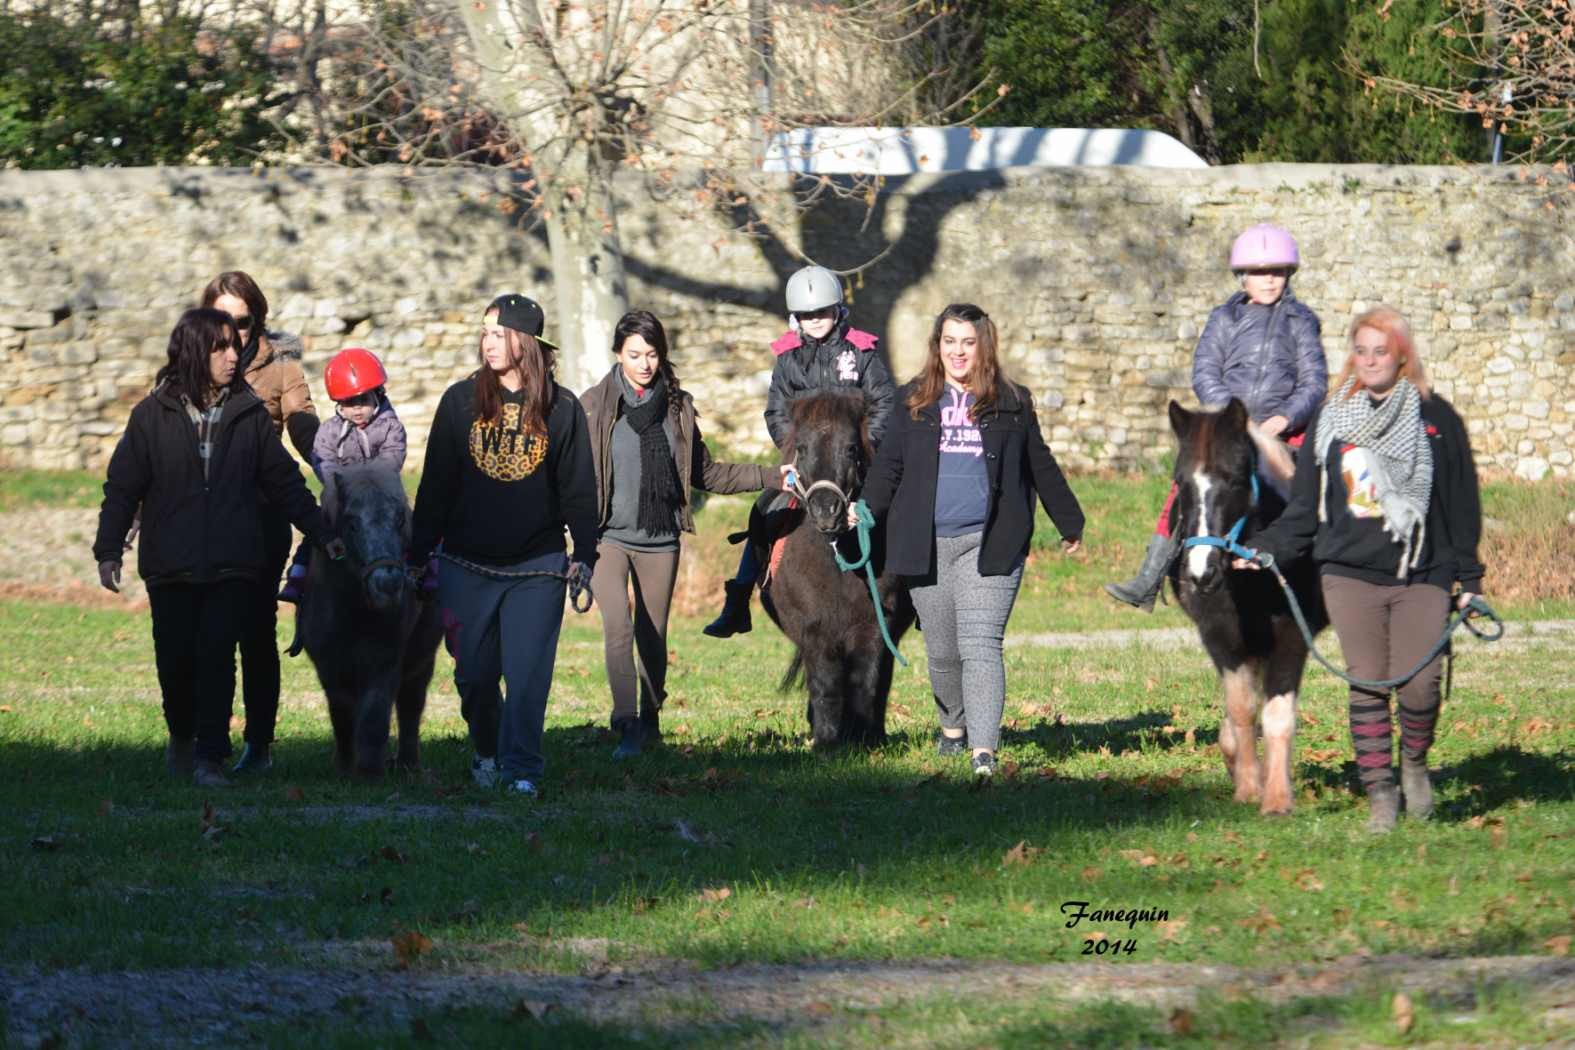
(1230, 543)
(866, 523)
(579, 586)
(1475, 608)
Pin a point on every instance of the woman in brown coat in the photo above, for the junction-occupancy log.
(648, 452)
(271, 364)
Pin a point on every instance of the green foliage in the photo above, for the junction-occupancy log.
(1192, 69)
(74, 94)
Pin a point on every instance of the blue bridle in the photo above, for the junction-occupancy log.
(1229, 542)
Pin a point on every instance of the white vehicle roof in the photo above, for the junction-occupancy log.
(907, 151)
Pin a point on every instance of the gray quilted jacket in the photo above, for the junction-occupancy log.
(1270, 358)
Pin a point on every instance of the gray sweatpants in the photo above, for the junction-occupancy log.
(504, 629)
(963, 616)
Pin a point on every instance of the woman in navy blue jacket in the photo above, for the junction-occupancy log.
(955, 482)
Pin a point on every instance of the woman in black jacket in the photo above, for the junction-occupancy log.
(955, 481)
(196, 454)
(1386, 498)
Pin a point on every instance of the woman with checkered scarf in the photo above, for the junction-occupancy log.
(1388, 503)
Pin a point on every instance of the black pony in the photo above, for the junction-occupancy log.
(371, 638)
(1242, 617)
(827, 613)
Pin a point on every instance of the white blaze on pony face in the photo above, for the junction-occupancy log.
(1198, 557)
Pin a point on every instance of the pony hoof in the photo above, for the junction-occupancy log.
(1276, 810)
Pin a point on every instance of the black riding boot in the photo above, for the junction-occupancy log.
(1142, 589)
(735, 612)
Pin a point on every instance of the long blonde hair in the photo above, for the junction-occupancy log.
(1397, 333)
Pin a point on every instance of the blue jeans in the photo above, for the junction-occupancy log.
(505, 629)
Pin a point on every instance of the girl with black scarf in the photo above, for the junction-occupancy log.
(648, 451)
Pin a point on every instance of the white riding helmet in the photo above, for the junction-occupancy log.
(813, 288)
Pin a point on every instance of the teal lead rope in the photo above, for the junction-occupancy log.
(865, 526)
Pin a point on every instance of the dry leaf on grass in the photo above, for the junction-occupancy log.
(715, 894)
(410, 946)
(1181, 1021)
(294, 794)
(1022, 853)
(1404, 1014)
(1558, 944)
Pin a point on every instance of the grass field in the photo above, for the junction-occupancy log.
(735, 854)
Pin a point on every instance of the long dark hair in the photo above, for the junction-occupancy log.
(644, 324)
(192, 343)
(239, 283)
(533, 363)
(987, 374)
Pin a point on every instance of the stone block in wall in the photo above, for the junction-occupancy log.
(31, 319)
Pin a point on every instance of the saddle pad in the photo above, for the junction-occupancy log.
(778, 545)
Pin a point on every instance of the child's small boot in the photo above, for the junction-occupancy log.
(1142, 589)
(735, 618)
(294, 588)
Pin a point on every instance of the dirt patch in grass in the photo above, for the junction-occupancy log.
(198, 1007)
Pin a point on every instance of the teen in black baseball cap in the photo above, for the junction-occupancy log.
(523, 315)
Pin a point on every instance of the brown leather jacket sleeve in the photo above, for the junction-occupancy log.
(727, 478)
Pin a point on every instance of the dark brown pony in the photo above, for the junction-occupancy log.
(827, 613)
(371, 638)
(1242, 617)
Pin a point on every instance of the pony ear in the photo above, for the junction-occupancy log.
(1236, 414)
(1180, 419)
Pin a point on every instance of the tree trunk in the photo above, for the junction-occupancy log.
(587, 274)
(575, 187)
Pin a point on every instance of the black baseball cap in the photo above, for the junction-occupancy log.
(522, 315)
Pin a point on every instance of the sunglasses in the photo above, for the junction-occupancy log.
(243, 322)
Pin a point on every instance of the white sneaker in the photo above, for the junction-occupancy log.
(523, 788)
(484, 771)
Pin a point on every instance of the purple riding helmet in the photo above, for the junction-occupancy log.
(1264, 247)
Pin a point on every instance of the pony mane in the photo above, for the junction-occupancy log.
(1215, 435)
(376, 477)
(827, 409)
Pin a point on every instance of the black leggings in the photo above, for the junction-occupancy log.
(259, 636)
(195, 628)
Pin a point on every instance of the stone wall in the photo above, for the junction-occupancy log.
(1099, 279)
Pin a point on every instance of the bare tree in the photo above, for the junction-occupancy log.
(1512, 62)
(573, 95)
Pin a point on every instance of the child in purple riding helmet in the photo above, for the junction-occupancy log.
(821, 351)
(1262, 347)
(364, 429)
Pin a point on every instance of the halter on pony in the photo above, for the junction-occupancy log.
(866, 524)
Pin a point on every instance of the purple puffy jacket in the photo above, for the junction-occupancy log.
(340, 443)
(1271, 358)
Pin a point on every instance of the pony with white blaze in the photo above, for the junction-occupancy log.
(1243, 618)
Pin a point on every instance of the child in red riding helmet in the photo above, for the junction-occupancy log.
(363, 429)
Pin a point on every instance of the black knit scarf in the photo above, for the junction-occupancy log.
(659, 493)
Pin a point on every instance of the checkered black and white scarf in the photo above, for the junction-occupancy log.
(1394, 435)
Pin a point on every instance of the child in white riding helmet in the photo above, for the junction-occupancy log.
(1262, 347)
(820, 351)
(363, 429)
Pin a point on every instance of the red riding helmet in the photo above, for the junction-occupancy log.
(353, 371)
